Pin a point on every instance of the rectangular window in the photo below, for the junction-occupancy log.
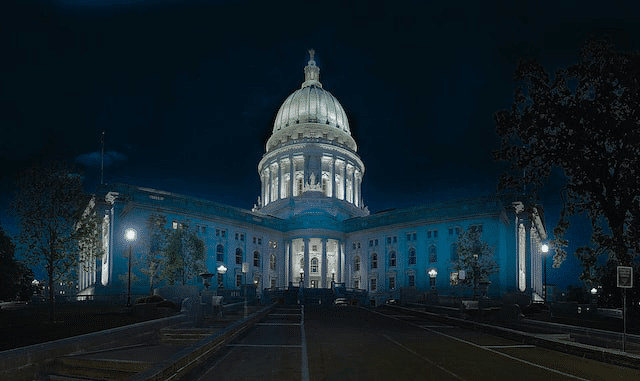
(358, 245)
(450, 231)
(354, 246)
(392, 283)
(412, 280)
(370, 243)
(220, 280)
(238, 280)
(395, 239)
(375, 242)
(223, 233)
(217, 232)
(204, 229)
(356, 284)
(237, 236)
(453, 279)
(408, 237)
(314, 247)
(273, 283)
(435, 234)
(374, 284)
(432, 282)
(388, 240)
(429, 234)
(254, 240)
(241, 236)
(414, 236)
(259, 241)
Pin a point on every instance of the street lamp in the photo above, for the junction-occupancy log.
(221, 271)
(130, 235)
(545, 250)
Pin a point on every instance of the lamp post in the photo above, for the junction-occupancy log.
(545, 250)
(221, 271)
(130, 235)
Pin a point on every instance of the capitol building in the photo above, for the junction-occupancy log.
(311, 227)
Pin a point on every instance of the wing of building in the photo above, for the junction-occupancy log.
(311, 227)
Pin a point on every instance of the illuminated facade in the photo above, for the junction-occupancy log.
(310, 222)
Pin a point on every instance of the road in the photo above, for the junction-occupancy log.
(352, 343)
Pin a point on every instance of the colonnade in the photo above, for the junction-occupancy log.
(317, 261)
(293, 175)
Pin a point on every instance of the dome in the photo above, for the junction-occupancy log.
(311, 104)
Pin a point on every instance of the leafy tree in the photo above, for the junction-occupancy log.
(475, 258)
(583, 120)
(156, 244)
(184, 256)
(57, 228)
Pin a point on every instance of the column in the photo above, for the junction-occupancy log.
(280, 177)
(333, 176)
(324, 264)
(287, 263)
(306, 262)
(344, 181)
(291, 176)
(339, 274)
(353, 186)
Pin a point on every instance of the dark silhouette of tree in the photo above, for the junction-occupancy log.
(9, 268)
(58, 227)
(475, 258)
(184, 256)
(156, 244)
(583, 120)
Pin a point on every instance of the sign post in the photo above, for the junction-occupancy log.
(625, 280)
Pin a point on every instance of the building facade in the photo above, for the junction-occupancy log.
(310, 224)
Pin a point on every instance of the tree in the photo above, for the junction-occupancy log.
(156, 244)
(184, 256)
(584, 120)
(475, 258)
(9, 268)
(57, 228)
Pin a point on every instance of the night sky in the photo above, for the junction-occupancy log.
(187, 91)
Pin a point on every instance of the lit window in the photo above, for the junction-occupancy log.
(433, 254)
(454, 252)
(174, 225)
(220, 253)
(412, 256)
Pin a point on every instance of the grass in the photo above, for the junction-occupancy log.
(30, 324)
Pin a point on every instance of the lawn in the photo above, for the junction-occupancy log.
(30, 324)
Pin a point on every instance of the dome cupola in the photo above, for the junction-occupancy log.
(311, 112)
(311, 162)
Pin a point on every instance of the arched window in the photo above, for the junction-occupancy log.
(454, 252)
(256, 259)
(412, 256)
(374, 261)
(220, 253)
(272, 262)
(392, 259)
(433, 254)
(356, 263)
(238, 256)
(314, 265)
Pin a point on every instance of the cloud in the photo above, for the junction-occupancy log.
(92, 159)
